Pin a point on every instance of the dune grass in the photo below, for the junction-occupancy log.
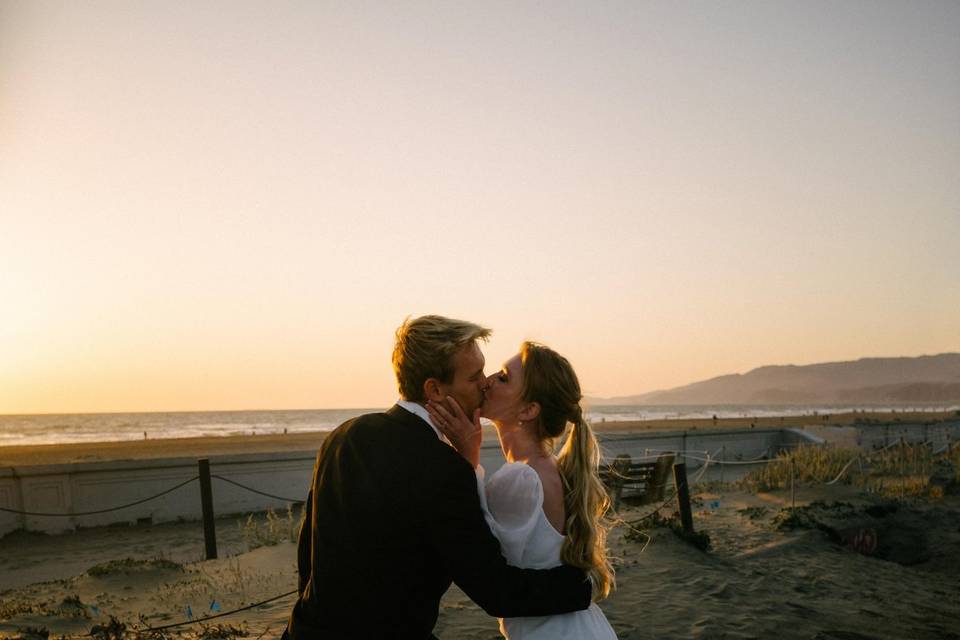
(272, 529)
(900, 471)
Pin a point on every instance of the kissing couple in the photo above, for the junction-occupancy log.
(400, 507)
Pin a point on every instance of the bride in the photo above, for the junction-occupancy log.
(545, 509)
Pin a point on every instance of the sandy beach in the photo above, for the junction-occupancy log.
(756, 581)
(771, 570)
(269, 443)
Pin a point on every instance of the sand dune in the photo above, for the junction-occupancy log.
(756, 581)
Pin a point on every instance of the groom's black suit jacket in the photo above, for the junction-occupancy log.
(393, 516)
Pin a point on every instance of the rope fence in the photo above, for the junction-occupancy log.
(184, 623)
(761, 459)
(209, 535)
(764, 456)
(868, 455)
(147, 499)
(99, 511)
(710, 459)
(221, 615)
(257, 491)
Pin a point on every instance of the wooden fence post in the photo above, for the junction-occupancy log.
(683, 496)
(723, 456)
(206, 502)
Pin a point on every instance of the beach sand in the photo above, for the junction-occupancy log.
(756, 581)
(759, 578)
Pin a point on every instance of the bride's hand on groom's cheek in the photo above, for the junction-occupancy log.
(463, 433)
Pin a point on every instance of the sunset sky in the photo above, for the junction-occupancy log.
(232, 205)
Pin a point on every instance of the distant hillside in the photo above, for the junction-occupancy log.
(868, 380)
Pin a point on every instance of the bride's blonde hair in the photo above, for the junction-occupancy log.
(549, 380)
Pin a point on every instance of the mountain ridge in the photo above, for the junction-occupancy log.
(926, 378)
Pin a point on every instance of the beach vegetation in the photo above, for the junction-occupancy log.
(272, 528)
(903, 470)
(753, 513)
(802, 465)
(21, 535)
(239, 577)
(73, 607)
(32, 633)
(132, 565)
(10, 608)
(112, 630)
(707, 486)
(221, 632)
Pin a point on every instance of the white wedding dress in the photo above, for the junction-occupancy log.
(512, 501)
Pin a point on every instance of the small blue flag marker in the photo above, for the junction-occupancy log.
(189, 613)
(715, 504)
(215, 606)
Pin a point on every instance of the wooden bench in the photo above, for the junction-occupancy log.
(636, 483)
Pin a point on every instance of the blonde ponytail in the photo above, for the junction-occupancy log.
(549, 380)
(586, 503)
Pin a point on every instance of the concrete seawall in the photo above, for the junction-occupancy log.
(94, 486)
(78, 489)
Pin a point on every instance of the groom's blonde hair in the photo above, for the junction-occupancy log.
(424, 349)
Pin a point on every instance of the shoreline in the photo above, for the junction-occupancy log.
(78, 452)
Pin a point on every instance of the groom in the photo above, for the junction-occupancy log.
(394, 516)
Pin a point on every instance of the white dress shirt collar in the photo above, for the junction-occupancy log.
(421, 412)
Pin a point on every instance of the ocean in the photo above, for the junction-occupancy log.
(107, 427)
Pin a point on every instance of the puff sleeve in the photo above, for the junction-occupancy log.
(512, 501)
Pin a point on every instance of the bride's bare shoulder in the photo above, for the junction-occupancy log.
(549, 475)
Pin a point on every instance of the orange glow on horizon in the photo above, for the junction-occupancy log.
(232, 209)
